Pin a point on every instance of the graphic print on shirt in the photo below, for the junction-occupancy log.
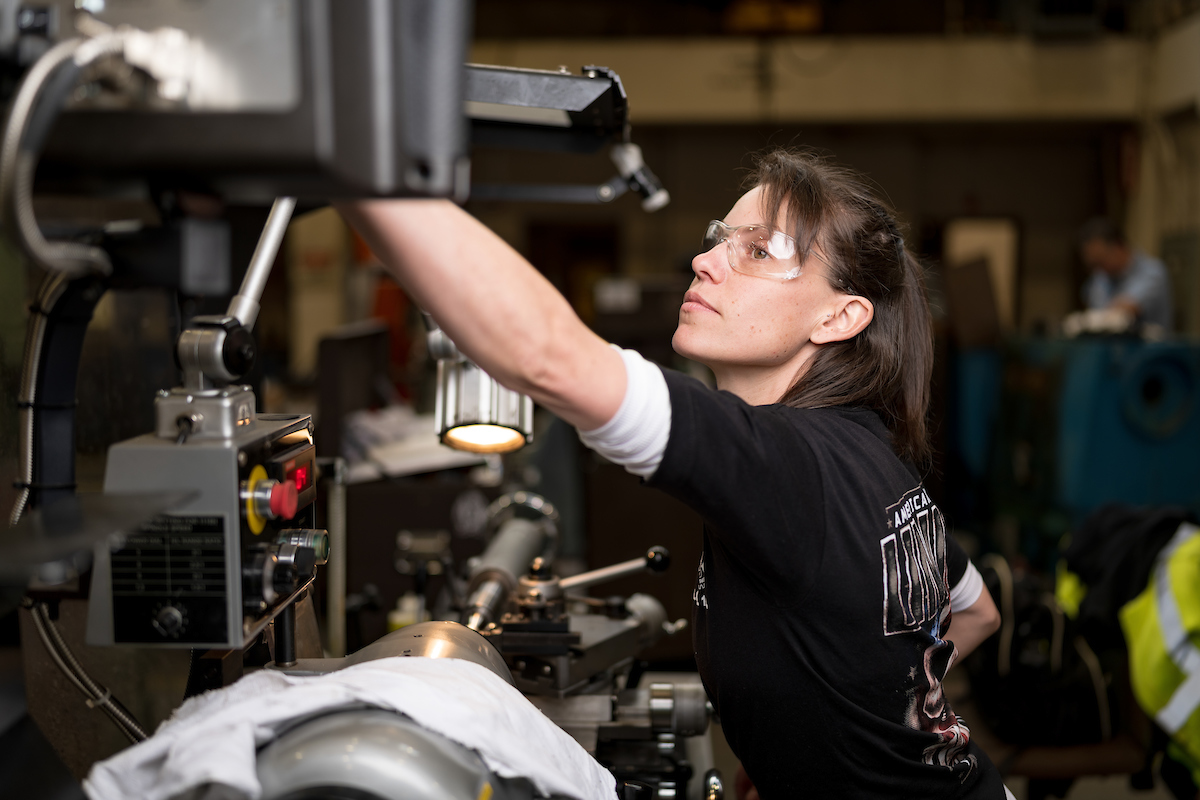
(916, 600)
(698, 596)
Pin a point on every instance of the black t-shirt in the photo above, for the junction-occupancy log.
(821, 606)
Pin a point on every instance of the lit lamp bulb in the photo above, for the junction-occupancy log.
(473, 411)
(480, 438)
(476, 414)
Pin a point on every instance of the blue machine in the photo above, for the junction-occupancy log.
(1047, 431)
(1129, 424)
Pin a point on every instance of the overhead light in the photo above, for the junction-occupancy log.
(473, 411)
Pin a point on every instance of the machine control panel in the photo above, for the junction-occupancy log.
(179, 559)
(215, 572)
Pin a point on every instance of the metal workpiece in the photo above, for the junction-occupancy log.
(423, 639)
(211, 413)
(484, 603)
(392, 757)
(494, 578)
(657, 559)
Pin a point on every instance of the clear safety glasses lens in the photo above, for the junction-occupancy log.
(755, 249)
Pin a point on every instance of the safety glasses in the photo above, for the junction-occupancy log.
(755, 249)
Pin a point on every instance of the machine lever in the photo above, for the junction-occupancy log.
(244, 305)
(215, 350)
(657, 559)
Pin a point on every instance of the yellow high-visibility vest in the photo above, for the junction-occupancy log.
(1162, 631)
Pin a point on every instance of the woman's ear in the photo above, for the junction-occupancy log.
(851, 315)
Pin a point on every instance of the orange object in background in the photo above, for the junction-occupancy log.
(392, 305)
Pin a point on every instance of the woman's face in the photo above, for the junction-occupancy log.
(743, 326)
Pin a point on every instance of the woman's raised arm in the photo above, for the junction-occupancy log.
(499, 310)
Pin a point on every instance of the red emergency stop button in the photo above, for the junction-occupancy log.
(284, 500)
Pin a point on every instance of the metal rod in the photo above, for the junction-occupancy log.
(244, 305)
(630, 567)
(335, 570)
(285, 636)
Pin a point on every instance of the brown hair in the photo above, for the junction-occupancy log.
(887, 366)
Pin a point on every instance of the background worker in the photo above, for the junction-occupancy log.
(1122, 277)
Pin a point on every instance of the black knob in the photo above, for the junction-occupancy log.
(285, 579)
(238, 351)
(540, 569)
(168, 621)
(658, 559)
(305, 562)
(257, 581)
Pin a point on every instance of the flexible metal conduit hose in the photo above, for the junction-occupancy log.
(50, 80)
(39, 98)
(97, 695)
(51, 290)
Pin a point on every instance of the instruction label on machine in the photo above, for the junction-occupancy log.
(169, 581)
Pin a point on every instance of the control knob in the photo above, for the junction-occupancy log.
(168, 621)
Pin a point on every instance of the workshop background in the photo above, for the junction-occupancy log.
(994, 127)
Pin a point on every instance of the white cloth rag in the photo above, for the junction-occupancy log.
(211, 739)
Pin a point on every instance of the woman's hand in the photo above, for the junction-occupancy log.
(970, 626)
(743, 787)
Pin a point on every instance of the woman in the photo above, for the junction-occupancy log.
(823, 597)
